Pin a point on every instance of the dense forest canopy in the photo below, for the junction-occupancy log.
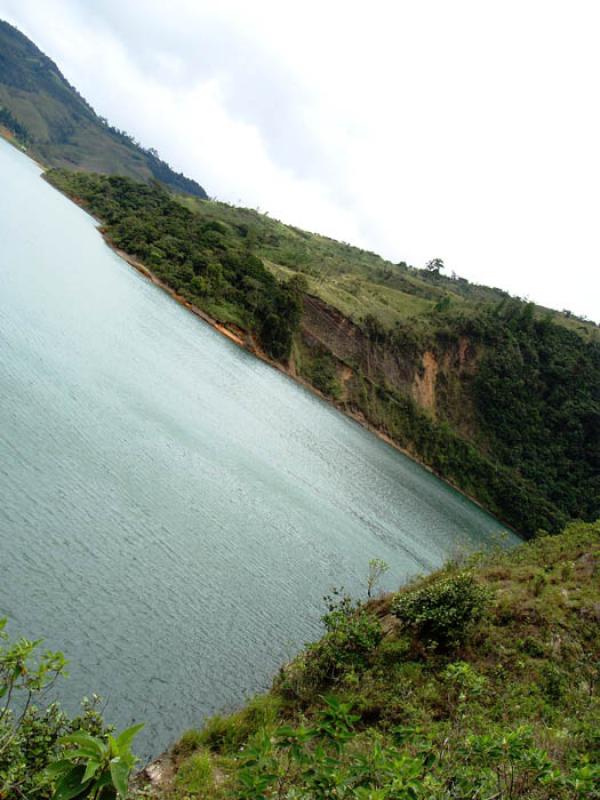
(537, 395)
(192, 256)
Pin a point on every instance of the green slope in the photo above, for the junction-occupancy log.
(359, 282)
(479, 681)
(57, 126)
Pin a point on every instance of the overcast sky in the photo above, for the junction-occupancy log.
(468, 131)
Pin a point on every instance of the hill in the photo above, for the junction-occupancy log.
(50, 119)
(497, 396)
(479, 681)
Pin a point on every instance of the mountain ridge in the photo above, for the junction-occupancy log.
(50, 119)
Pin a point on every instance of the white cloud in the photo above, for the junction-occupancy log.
(463, 130)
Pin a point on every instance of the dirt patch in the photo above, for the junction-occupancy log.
(424, 383)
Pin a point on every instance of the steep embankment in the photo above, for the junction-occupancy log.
(495, 396)
(43, 113)
(503, 405)
(479, 681)
(419, 375)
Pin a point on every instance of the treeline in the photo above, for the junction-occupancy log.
(537, 395)
(205, 262)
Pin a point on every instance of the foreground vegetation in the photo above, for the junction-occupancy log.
(43, 752)
(479, 681)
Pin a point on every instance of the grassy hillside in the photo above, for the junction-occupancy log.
(495, 395)
(479, 681)
(55, 124)
(359, 282)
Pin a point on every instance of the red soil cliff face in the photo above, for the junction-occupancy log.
(436, 380)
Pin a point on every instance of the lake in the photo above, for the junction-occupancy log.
(172, 510)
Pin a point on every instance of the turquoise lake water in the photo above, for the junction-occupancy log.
(172, 510)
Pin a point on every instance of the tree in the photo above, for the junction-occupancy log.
(435, 266)
(377, 569)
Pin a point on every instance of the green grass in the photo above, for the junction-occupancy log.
(356, 297)
(194, 776)
(355, 281)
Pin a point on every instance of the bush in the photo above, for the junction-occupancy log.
(43, 753)
(553, 682)
(540, 582)
(393, 651)
(442, 613)
(346, 650)
(352, 636)
(531, 647)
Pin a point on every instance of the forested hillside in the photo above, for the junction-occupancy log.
(51, 121)
(498, 396)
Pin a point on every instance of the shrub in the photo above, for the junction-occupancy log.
(346, 650)
(463, 682)
(352, 636)
(442, 613)
(94, 767)
(531, 647)
(393, 651)
(377, 569)
(553, 682)
(518, 766)
(43, 753)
